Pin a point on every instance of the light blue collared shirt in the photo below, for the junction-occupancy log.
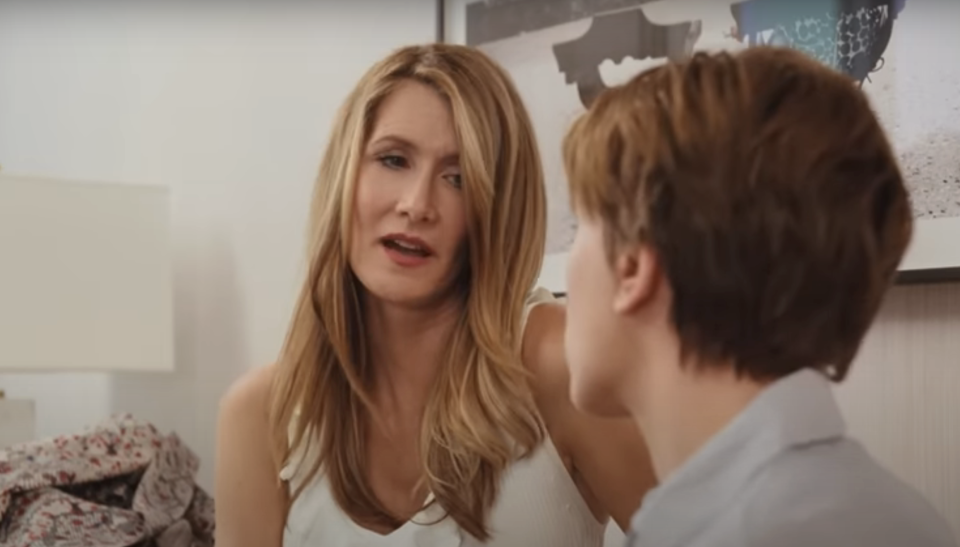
(783, 473)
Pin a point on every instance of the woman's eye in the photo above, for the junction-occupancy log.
(392, 162)
(456, 180)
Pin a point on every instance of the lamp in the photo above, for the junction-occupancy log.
(85, 283)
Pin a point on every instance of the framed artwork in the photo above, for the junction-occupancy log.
(904, 54)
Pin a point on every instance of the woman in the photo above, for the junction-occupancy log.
(409, 405)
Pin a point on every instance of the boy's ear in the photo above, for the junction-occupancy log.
(637, 273)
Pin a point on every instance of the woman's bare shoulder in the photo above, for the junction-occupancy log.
(249, 496)
(543, 351)
(243, 423)
(248, 394)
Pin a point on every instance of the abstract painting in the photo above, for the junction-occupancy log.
(905, 55)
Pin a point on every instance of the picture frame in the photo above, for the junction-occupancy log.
(560, 53)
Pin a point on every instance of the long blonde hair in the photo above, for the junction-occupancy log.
(481, 415)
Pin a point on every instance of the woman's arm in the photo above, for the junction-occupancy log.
(248, 495)
(609, 458)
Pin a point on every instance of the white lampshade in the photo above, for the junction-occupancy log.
(85, 276)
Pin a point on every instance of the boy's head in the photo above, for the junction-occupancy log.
(741, 211)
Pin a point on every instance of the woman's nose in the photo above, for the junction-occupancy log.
(417, 201)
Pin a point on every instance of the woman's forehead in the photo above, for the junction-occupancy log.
(416, 118)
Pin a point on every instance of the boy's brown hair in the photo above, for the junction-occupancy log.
(769, 192)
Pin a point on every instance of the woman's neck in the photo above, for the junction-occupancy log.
(407, 347)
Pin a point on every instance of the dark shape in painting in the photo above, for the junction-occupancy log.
(849, 35)
(615, 37)
(492, 20)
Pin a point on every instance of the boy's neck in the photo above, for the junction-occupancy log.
(680, 409)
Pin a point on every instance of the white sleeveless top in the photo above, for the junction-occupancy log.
(538, 506)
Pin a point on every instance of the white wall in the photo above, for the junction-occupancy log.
(230, 105)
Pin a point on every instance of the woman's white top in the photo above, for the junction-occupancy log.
(538, 506)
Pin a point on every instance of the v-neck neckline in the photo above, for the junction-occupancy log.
(430, 519)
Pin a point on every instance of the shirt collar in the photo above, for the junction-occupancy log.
(794, 410)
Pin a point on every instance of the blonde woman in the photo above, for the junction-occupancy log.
(420, 398)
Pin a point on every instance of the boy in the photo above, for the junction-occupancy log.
(741, 217)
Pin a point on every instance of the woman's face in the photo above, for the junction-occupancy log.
(409, 220)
